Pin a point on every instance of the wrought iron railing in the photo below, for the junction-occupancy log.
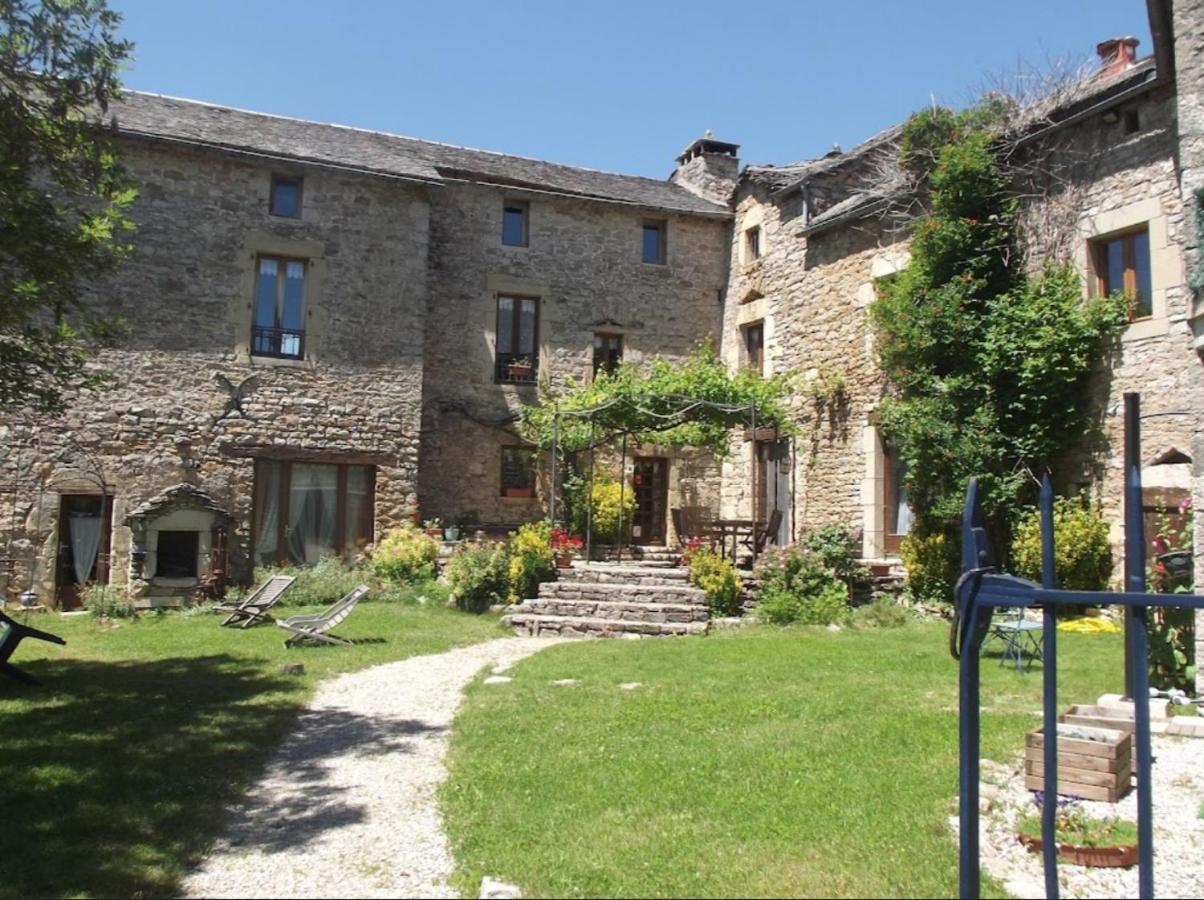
(281, 343)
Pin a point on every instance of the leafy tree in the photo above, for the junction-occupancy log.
(989, 364)
(63, 196)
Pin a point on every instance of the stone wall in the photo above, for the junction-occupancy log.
(812, 294)
(186, 296)
(583, 262)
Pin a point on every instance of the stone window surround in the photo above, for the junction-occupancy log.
(1166, 263)
(753, 217)
(873, 513)
(242, 307)
(750, 313)
(507, 285)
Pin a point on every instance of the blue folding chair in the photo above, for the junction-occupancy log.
(1020, 637)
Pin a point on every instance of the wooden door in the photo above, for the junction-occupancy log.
(83, 519)
(650, 484)
(773, 486)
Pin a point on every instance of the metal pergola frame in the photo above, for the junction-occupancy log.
(677, 417)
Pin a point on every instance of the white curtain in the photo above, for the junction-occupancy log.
(85, 543)
(267, 488)
(313, 496)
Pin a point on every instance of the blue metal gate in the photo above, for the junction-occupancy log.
(982, 588)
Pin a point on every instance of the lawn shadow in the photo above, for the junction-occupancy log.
(116, 776)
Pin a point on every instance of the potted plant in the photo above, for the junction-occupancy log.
(451, 532)
(433, 528)
(564, 547)
(518, 492)
(520, 368)
(1083, 840)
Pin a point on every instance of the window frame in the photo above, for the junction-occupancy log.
(280, 179)
(1097, 253)
(661, 227)
(602, 363)
(891, 540)
(526, 492)
(524, 207)
(501, 373)
(752, 244)
(758, 362)
(284, 490)
(282, 262)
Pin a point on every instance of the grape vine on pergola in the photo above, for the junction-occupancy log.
(697, 403)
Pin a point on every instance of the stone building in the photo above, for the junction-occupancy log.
(331, 330)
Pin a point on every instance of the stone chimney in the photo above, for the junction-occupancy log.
(1116, 55)
(708, 168)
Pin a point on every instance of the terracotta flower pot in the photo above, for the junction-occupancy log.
(1123, 856)
(564, 560)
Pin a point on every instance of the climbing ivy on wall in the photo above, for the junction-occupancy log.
(989, 364)
(1196, 279)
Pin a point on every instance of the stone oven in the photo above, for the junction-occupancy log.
(177, 540)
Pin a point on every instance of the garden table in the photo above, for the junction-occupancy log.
(736, 529)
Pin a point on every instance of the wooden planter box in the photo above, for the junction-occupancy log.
(1101, 717)
(1094, 765)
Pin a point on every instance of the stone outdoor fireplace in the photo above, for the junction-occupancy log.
(173, 537)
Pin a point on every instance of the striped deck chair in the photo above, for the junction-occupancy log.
(257, 603)
(316, 628)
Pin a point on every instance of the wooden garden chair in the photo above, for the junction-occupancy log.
(315, 629)
(257, 603)
(12, 633)
(763, 534)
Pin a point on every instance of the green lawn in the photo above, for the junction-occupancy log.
(751, 763)
(115, 772)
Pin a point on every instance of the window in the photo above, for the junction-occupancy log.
(518, 472)
(1122, 264)
(286, 196)
(278, 329)
(896, 510)
(306, 511)
(608, 353)
(752, 244)
(514, 223)
(1132, 122)
(654, 243)
(754, 346)
(517, 340)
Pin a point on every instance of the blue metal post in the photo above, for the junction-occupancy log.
(1138, 646)
(968, 776)
(1050, 677)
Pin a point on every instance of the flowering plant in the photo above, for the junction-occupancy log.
(565, 543)
(1074, 826)
(692, 548)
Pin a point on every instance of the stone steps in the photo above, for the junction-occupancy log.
(617, 609)
(534, 625)
(629, 593)
(614, 600)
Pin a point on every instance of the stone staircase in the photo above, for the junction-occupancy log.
(600, 599)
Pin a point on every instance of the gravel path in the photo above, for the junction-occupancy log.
(347, 807)
(1178, 782)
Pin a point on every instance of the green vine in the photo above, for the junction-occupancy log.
(1195, 280)
(989, 364)
(696, 403)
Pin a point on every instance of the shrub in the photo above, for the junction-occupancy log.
(882, 613)
(478, 575)
(837, 549)
(318, 585)
(718, 579)
(1082, 553)
(604, 524)
(933, 563)
(530, 560)
(797, 588)
(104, 601)
(405, 554)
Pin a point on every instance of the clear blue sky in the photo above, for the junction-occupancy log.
(616, 85)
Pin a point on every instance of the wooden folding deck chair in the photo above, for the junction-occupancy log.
(12, 633)
(257, 603)
(316, 628)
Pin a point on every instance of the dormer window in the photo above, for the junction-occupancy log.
(286, 196)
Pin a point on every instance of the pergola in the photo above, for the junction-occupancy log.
(622, 418)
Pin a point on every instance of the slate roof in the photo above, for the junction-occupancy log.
(159, 117)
